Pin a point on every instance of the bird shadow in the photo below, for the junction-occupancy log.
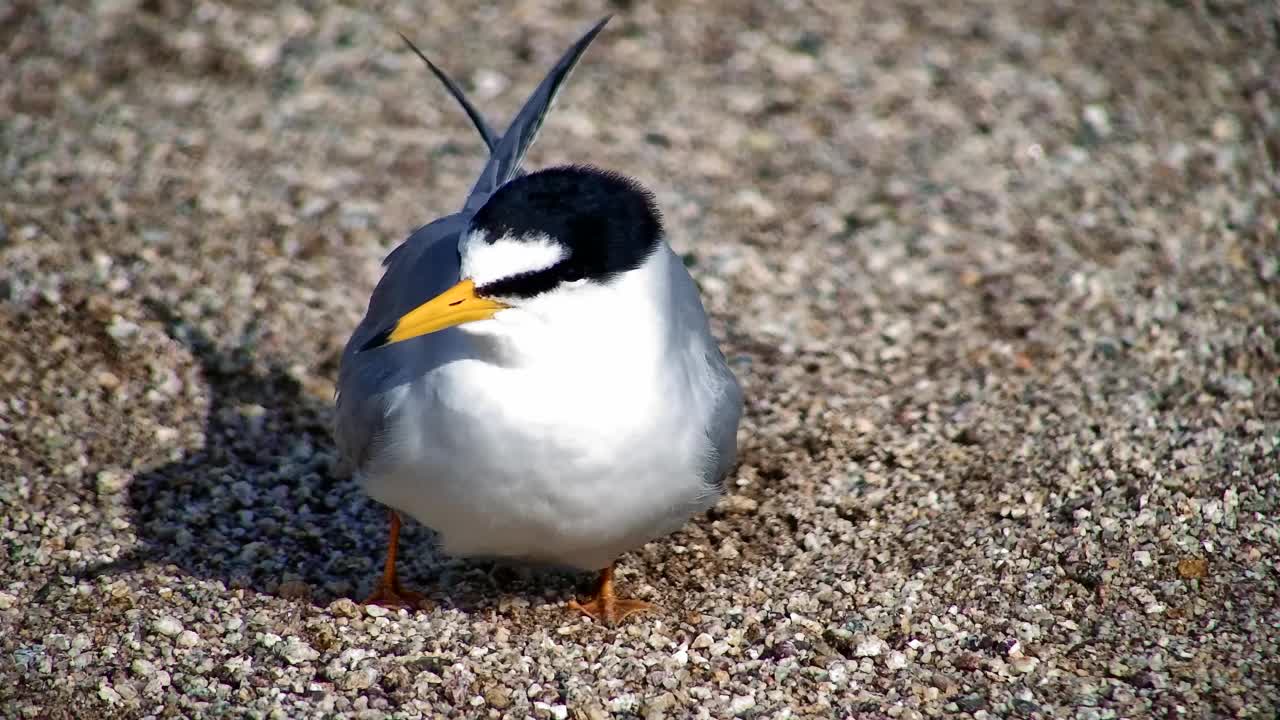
(265, 505)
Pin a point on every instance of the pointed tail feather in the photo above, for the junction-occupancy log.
(486, 132)
(504, 160)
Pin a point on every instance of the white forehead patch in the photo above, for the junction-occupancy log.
(485, 262)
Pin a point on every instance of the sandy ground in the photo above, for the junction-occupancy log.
(1000, 279)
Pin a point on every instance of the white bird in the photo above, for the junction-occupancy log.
(535, 378)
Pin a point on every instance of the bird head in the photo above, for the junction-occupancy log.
(542, 240)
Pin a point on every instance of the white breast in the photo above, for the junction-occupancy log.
(573, 440)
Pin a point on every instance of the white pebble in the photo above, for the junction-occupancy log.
(296, 652)
(112, 481)
(869, 647)
(1024, 665)
(741, 704)
(896, 660)
(108, 694)
(167, 626)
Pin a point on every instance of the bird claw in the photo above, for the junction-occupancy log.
(610, 611)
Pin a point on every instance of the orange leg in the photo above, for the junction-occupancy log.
(606, 607)
(388, 593)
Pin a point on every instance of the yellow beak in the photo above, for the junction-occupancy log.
(455, 306)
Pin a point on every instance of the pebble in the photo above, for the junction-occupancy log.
(869, 647)
(109, 694)
(112, 481)
(498, 698)
(296, 652)
(122, 331)
(344, 607)
(1098, 120)
(739, 505)
(1025, 664)
(359, 679)
(741, 704)
(167, 625)
(658, 707)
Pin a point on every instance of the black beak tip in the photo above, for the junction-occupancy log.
(377, 341)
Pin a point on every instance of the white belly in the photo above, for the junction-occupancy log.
(561, 471)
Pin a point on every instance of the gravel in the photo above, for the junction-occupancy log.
(1000, 279)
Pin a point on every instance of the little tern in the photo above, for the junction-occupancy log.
(535, 378)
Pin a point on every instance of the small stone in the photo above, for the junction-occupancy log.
(755, 203)
(108, 694)
(869, 647)
(741, 703)
(359, 679)
(703, 641)
(143, 667)
(1098, 120)
(498, 698)
(739, 505)
(269, 640)
(344, 607)
(167, 626)
(658, 707)
(111, 482)
(187, 638)
(968, 661)
(1024, 664)
(1226, 128)
(295, 651)
(896, 660)
(7, 600)
(122, 330)
(159, 682)
(376, 611)
(1193, 568)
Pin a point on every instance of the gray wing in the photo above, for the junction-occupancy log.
(504, 161)
(723, 429)
(422, 267)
